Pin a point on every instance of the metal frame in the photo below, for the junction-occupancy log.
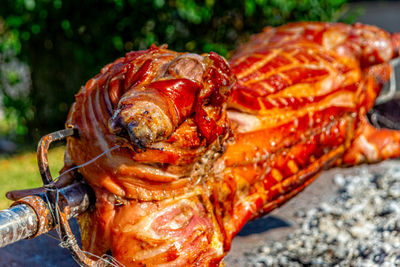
(52, 197)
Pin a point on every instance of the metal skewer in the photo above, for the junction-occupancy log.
(31, 217)
(390, 93)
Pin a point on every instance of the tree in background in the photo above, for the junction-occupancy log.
(65, 43)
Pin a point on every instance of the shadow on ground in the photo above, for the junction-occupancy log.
(262, 225)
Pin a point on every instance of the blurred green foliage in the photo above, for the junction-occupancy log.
(21, 172)
(67, 42)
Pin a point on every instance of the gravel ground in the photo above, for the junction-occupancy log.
(360, 226)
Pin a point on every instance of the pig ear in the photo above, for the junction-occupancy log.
(210, 114)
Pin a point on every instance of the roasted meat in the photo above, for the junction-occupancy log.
(167, 112)
(195, 148)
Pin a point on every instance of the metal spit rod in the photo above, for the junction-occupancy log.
(16, 223)
(26, 220)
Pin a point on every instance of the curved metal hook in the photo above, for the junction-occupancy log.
(43, 148)
(389, 94)
(52, 197)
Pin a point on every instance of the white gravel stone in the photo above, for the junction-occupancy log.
(362, 230)
(339, 180)
(360, 227)
(394, 190)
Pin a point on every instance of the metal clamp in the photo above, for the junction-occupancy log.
(43, 148)
(52, 196)
(387, 95)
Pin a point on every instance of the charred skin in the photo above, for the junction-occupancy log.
(199, 158)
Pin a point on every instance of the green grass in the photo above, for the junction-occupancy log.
(21, 172)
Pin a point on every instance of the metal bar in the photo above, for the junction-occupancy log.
(43, 148)
(31, 215)
(390, 93)
(16, 223)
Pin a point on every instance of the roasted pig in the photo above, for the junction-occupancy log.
(196, 146)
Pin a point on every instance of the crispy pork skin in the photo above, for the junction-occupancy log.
(167, 113)
(201, 147)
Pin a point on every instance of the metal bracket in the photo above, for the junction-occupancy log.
(43, 148)
(52, 197)
(389, 94)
